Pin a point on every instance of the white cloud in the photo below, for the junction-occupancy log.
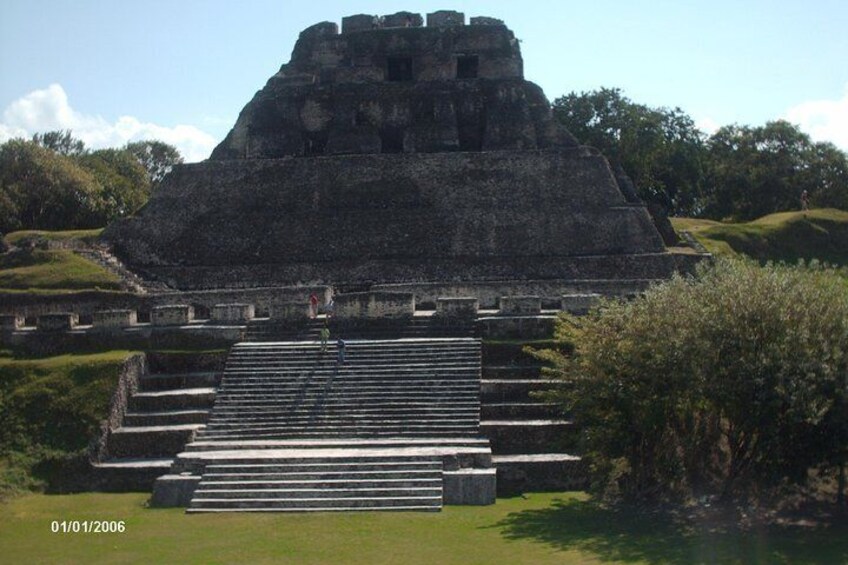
(823, 120)
(49, 109)
(707, 125)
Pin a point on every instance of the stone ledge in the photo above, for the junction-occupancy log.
(473, 487)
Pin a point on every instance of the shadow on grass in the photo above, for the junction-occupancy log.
(631, 536)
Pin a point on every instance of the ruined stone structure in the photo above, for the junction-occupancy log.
(394, 152)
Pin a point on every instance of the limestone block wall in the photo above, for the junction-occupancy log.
(233, 312)
(174, 315)
(374, 305)
(520, 305)
(114, 319)
(58, 322)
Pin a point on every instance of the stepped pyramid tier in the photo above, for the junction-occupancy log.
(395, 152)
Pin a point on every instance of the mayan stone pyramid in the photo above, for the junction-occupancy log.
(394, 152)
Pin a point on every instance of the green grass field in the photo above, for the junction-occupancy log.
(86, 236)
(49, 410)
(51, 272)
(787, 236)
(544, 528)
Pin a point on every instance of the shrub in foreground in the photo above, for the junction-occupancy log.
(729, 383)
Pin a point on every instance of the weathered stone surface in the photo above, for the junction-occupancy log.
(57, 322)
(114, 319)
(173, 491)
(460, 307)
(394, 153)
(520, 305)
(579, 303)
(374, 305)
(11, 322)
(177, 314)
(476, 487)
(233, 312)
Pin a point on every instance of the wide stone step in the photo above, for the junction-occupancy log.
(334, 434)
(129, 475)
(506, 372)
(170, 381)
(369, 450)
(166, 418)
(309, 468)
(172, 399)
(326, 479)
(351, 410)
(408, 508)
(150, 441)
(518, 410)
(341, 419)
(529, 436)
(503, 390)
(328, 490)
(536, 472)
(326, 504)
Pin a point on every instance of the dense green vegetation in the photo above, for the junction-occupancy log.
(787, 236)
(558, 528)
(737, 173)
(53, 182)
(49, 410)
(730, 384)
(59, 270)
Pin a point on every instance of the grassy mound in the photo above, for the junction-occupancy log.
(52, 271)
(85, 236)
(49, 410)
(786, 236)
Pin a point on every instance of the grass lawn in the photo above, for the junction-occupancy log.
(541, 528)
(53, 271)
(87, 236)
(786, 236)
(49, 409)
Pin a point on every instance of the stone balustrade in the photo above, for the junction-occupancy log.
(520, 306)
(57, 322)
(374, 305)
(114, 319)
(176, 315)
(11, 322)
(579, 303)
(457, 307)
(241, 313)
(290, 311)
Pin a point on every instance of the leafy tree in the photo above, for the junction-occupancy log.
(727, 384)
(659, 148)
(123, 183)
(41, 189)
(60, 141)
(156, 157)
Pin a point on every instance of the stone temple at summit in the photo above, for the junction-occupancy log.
(395, 152)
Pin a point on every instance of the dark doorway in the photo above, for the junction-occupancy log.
(466, 66)
(391, 141)
(399, 69)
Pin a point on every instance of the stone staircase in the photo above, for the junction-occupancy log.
(419, 326)
(172, 402)
(533, 442)
(293, 429)
(322, 483)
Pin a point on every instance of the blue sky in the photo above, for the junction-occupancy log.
(182, 70)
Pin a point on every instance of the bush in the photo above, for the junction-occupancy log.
(729, 383)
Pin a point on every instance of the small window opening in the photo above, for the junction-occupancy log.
(314, 146)
(391, 141)
(466, 67)
(399, 69)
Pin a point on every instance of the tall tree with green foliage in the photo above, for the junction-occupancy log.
(157, 158)
(730, 384)
(61, 141)
(659, 148)
(42, 189)
(123, 183)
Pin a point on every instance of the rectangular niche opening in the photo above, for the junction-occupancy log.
(466, 66)
(391, 141)
(399, 69)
